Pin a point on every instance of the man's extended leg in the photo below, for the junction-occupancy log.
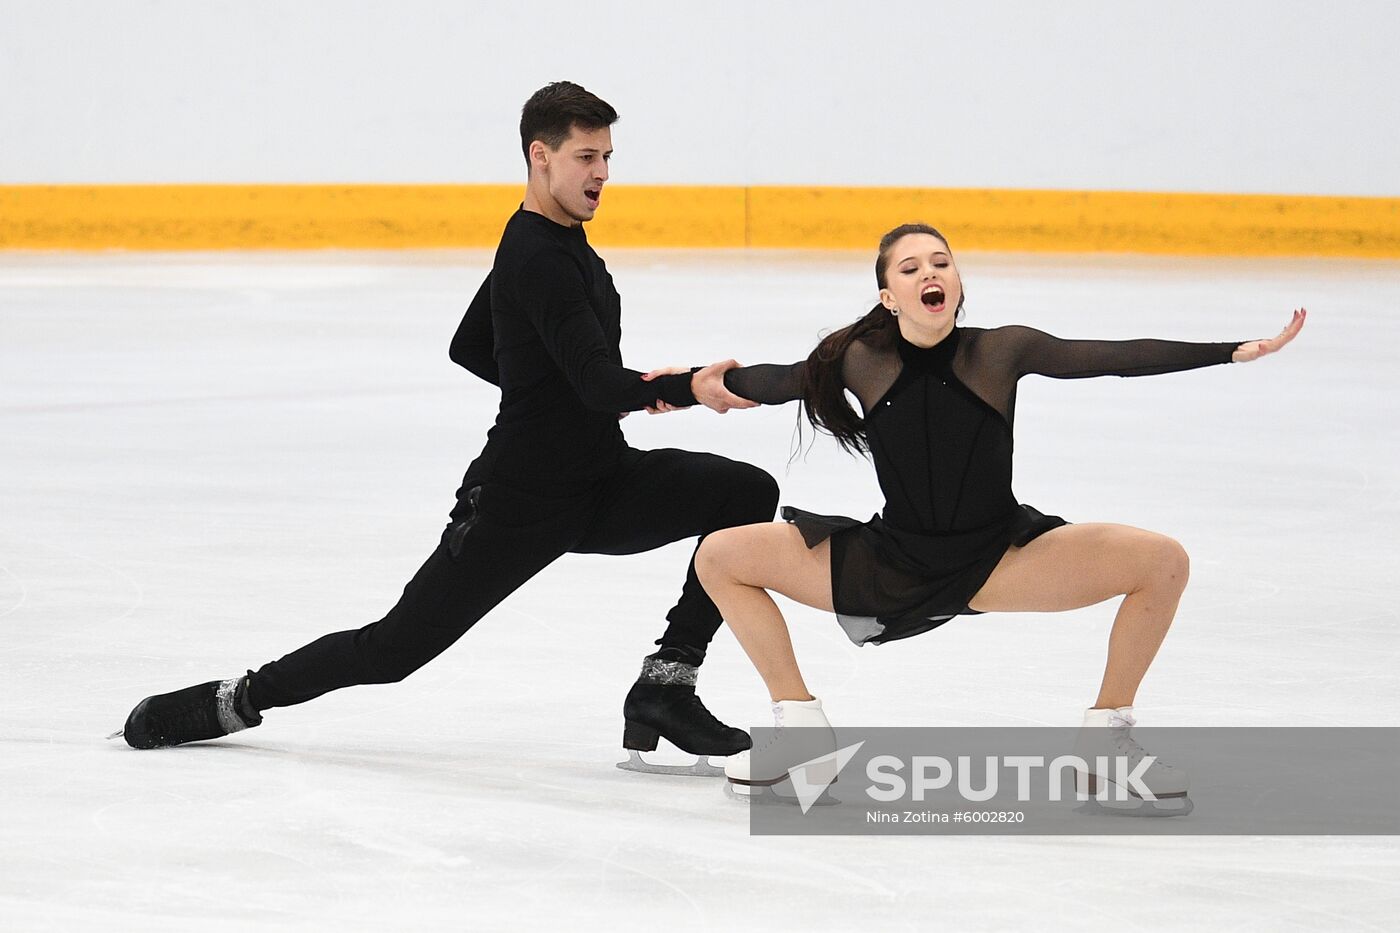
(655, 498)
(450, 593)
(500, 540)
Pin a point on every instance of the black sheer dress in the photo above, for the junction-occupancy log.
(938, 421)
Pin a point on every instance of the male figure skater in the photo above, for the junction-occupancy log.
(555, 476)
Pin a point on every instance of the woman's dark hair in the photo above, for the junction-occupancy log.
(554, 110)
(824, 392)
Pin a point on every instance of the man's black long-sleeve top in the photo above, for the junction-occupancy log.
(551, 341)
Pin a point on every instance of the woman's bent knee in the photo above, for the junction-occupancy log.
(746, 554)
(1167, 561)
(716, 553)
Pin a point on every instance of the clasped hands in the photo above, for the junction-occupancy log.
(707, 385)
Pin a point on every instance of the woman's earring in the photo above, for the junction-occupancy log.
(894, 312)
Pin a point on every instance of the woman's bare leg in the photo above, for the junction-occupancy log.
(1068, 568)
(737, 566)
(1079, 565)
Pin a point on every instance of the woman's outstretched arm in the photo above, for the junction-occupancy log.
(1039, 353)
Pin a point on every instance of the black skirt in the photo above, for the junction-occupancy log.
(889, 583)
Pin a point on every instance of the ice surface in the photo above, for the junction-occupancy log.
(209, 460)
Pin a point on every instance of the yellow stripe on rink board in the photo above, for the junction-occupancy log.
(183, 217)
(669, 215)
(198, 217)
(1083, 221)
(169, 217)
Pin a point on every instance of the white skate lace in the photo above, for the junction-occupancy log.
(1120, 733)
(775, 739)
(777, 727)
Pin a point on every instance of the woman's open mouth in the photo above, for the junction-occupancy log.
(933, 298)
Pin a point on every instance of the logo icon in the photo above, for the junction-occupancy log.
(811, 778)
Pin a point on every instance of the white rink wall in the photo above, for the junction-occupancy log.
(1246, 97)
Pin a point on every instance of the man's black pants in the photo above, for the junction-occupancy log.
(506, 536)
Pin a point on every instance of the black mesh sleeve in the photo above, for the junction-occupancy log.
(1037, 352)
(767, 383)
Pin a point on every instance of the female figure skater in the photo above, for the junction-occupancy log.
(938, 402)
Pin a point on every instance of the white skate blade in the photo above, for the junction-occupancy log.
(1136, 807)
(779, 794)
(701, 767)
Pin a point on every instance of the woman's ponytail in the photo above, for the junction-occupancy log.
(824, 391)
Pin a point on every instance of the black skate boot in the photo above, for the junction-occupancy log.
(662, 704)
(206, 711)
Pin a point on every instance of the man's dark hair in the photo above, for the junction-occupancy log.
(554, 110)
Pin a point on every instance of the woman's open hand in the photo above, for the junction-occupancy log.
(1253, 349)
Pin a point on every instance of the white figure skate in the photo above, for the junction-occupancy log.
(796, 765)
(1115, 782)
